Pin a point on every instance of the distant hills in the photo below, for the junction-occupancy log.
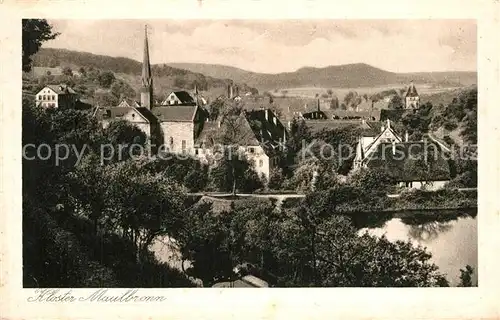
(210, 76)
(342, 76)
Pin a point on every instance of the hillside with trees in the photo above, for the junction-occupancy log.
(340, 76)
(166, 78)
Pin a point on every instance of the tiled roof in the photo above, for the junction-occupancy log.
(146, 113)
(61, 89)
(184, 97)
(266, 131)
(208, 132)
(126, 102)
(406, 161)
(112, 113)
(412, 91)
(253, 130)
(174, 113)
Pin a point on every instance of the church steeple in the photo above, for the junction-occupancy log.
(146, 78)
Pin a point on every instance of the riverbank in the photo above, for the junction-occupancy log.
(408, 201)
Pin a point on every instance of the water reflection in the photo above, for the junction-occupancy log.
(451, 237)
(428, 231)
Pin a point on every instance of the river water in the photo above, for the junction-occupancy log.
(450, 237)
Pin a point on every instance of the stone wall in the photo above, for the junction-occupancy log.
(176, 132)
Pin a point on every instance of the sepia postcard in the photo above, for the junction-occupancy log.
(158, 158)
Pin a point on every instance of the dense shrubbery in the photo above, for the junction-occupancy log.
(308, 245)
(460, 113)
(444, 198)
(113, 202)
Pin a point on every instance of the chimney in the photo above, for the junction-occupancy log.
(406, 136)
(288, 108)
(289, 125)
(319, 108)
(388, 123)
(267, 114)
(382, 128)
(218, 123)
(229, 91)
(393, 147)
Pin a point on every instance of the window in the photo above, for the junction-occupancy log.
(261, 163)
(44, 97)
(196, 151)
(171, 141)
(133, 116)
(251, 150)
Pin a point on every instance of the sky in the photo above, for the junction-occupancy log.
(273, 46)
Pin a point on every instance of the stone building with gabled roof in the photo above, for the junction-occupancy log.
(175, 124)
(180, 126)
(259, 135)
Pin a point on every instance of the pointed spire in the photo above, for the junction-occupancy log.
(146, 68)
(146, 78)
(412, 91)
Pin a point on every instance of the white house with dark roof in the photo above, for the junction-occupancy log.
(179, 98)
(413, 164)
(56, 96)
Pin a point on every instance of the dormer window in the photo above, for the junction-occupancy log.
(251, 150)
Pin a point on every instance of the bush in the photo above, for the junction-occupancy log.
(53, 257)
(276, 179)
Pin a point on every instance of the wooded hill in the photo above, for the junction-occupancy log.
(166, 78)
(341, 76)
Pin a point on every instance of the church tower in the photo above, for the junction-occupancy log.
(412, 99)
(146, 78)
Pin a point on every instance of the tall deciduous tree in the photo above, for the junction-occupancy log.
(106, 78)
(126, 139)
(35, 32)
(145, 206)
